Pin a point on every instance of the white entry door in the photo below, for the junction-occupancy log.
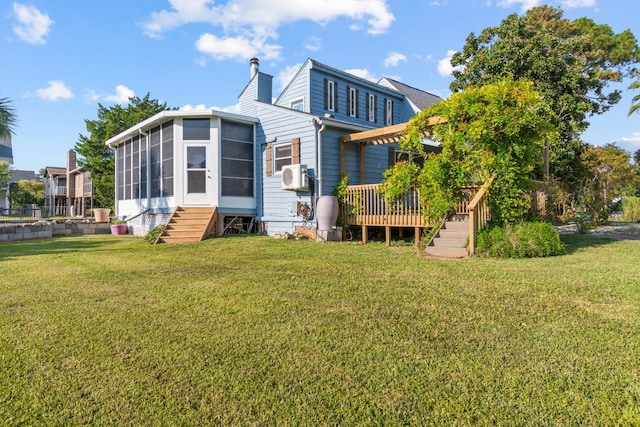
(197, 178)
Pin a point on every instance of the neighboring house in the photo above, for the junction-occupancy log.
(6, 152)
(16, 175)
(68, 190)
(271, 162)
(55, 190)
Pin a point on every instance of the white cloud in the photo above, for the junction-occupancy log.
(525, 4)
(121, 96)
(314, 44)
(199, 107)
(629, 143)
(286, 74)
(253, 24)
(33, 26)
(239, 48)
(577, 3)
(393, 59)
(55, 91)
(444, 65)
(203, 107)
(362, 73)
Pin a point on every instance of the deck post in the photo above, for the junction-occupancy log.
(342, 159)
(387, 235)
(417, 238)
(365, 233)
(363, 172)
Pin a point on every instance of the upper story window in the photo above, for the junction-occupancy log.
(195, 129)
(372, 107)
(388, 112)
(352, 102)
(298, 104)
(330, 95)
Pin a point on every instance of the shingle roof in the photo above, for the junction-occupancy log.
(19, 175)
(419, 98)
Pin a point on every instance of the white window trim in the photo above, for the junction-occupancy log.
(389, 110)
(371, 114)
(274, 147)
(353, 102)
(297, 101)
(331, 95)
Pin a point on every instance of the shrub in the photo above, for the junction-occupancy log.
(522, 240)
(153, 234)
(631, 209)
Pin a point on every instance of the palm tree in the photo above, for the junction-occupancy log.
(7, 118)
(636, 99)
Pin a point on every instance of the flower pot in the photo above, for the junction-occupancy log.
(101, 214)
(118, 229)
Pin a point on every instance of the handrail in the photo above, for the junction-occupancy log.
(137, 215)
(479, 214)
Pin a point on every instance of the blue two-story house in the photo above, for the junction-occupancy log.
(268, 165)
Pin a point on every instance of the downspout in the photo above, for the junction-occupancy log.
(318, 122)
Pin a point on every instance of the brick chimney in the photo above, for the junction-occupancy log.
(71, 160)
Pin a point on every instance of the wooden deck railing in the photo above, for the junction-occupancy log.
(479, 214)
(364, 205)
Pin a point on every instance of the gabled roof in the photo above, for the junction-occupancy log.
(313, 64)
(53, 171)
(417, 97)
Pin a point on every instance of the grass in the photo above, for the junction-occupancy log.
(257, 331)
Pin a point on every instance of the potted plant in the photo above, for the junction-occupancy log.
(118, 227)
(101, 214)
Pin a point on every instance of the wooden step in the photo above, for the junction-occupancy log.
(189, 224)
(451, 240)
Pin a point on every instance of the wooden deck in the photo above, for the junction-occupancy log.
(364, 206)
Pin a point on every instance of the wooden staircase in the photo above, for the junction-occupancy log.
(189, 224)
(452, 239)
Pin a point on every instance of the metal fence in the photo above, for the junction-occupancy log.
(23, 213)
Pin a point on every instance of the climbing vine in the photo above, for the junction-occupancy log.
(494, 130)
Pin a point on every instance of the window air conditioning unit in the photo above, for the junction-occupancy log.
(294, 177)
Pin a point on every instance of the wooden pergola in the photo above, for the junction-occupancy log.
(380, 136)
(372, 208)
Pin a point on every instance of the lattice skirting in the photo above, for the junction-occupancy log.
(144, 223)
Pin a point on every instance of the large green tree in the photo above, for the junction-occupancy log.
(25, 192)
(570, 63)
(5, 175)
(96, 157)
(606, 174)
(7, 118)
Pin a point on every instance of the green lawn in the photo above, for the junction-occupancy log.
(107, 330)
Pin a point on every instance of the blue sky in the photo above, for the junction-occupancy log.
(61, 58)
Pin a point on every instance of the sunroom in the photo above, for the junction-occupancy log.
(198, 159)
